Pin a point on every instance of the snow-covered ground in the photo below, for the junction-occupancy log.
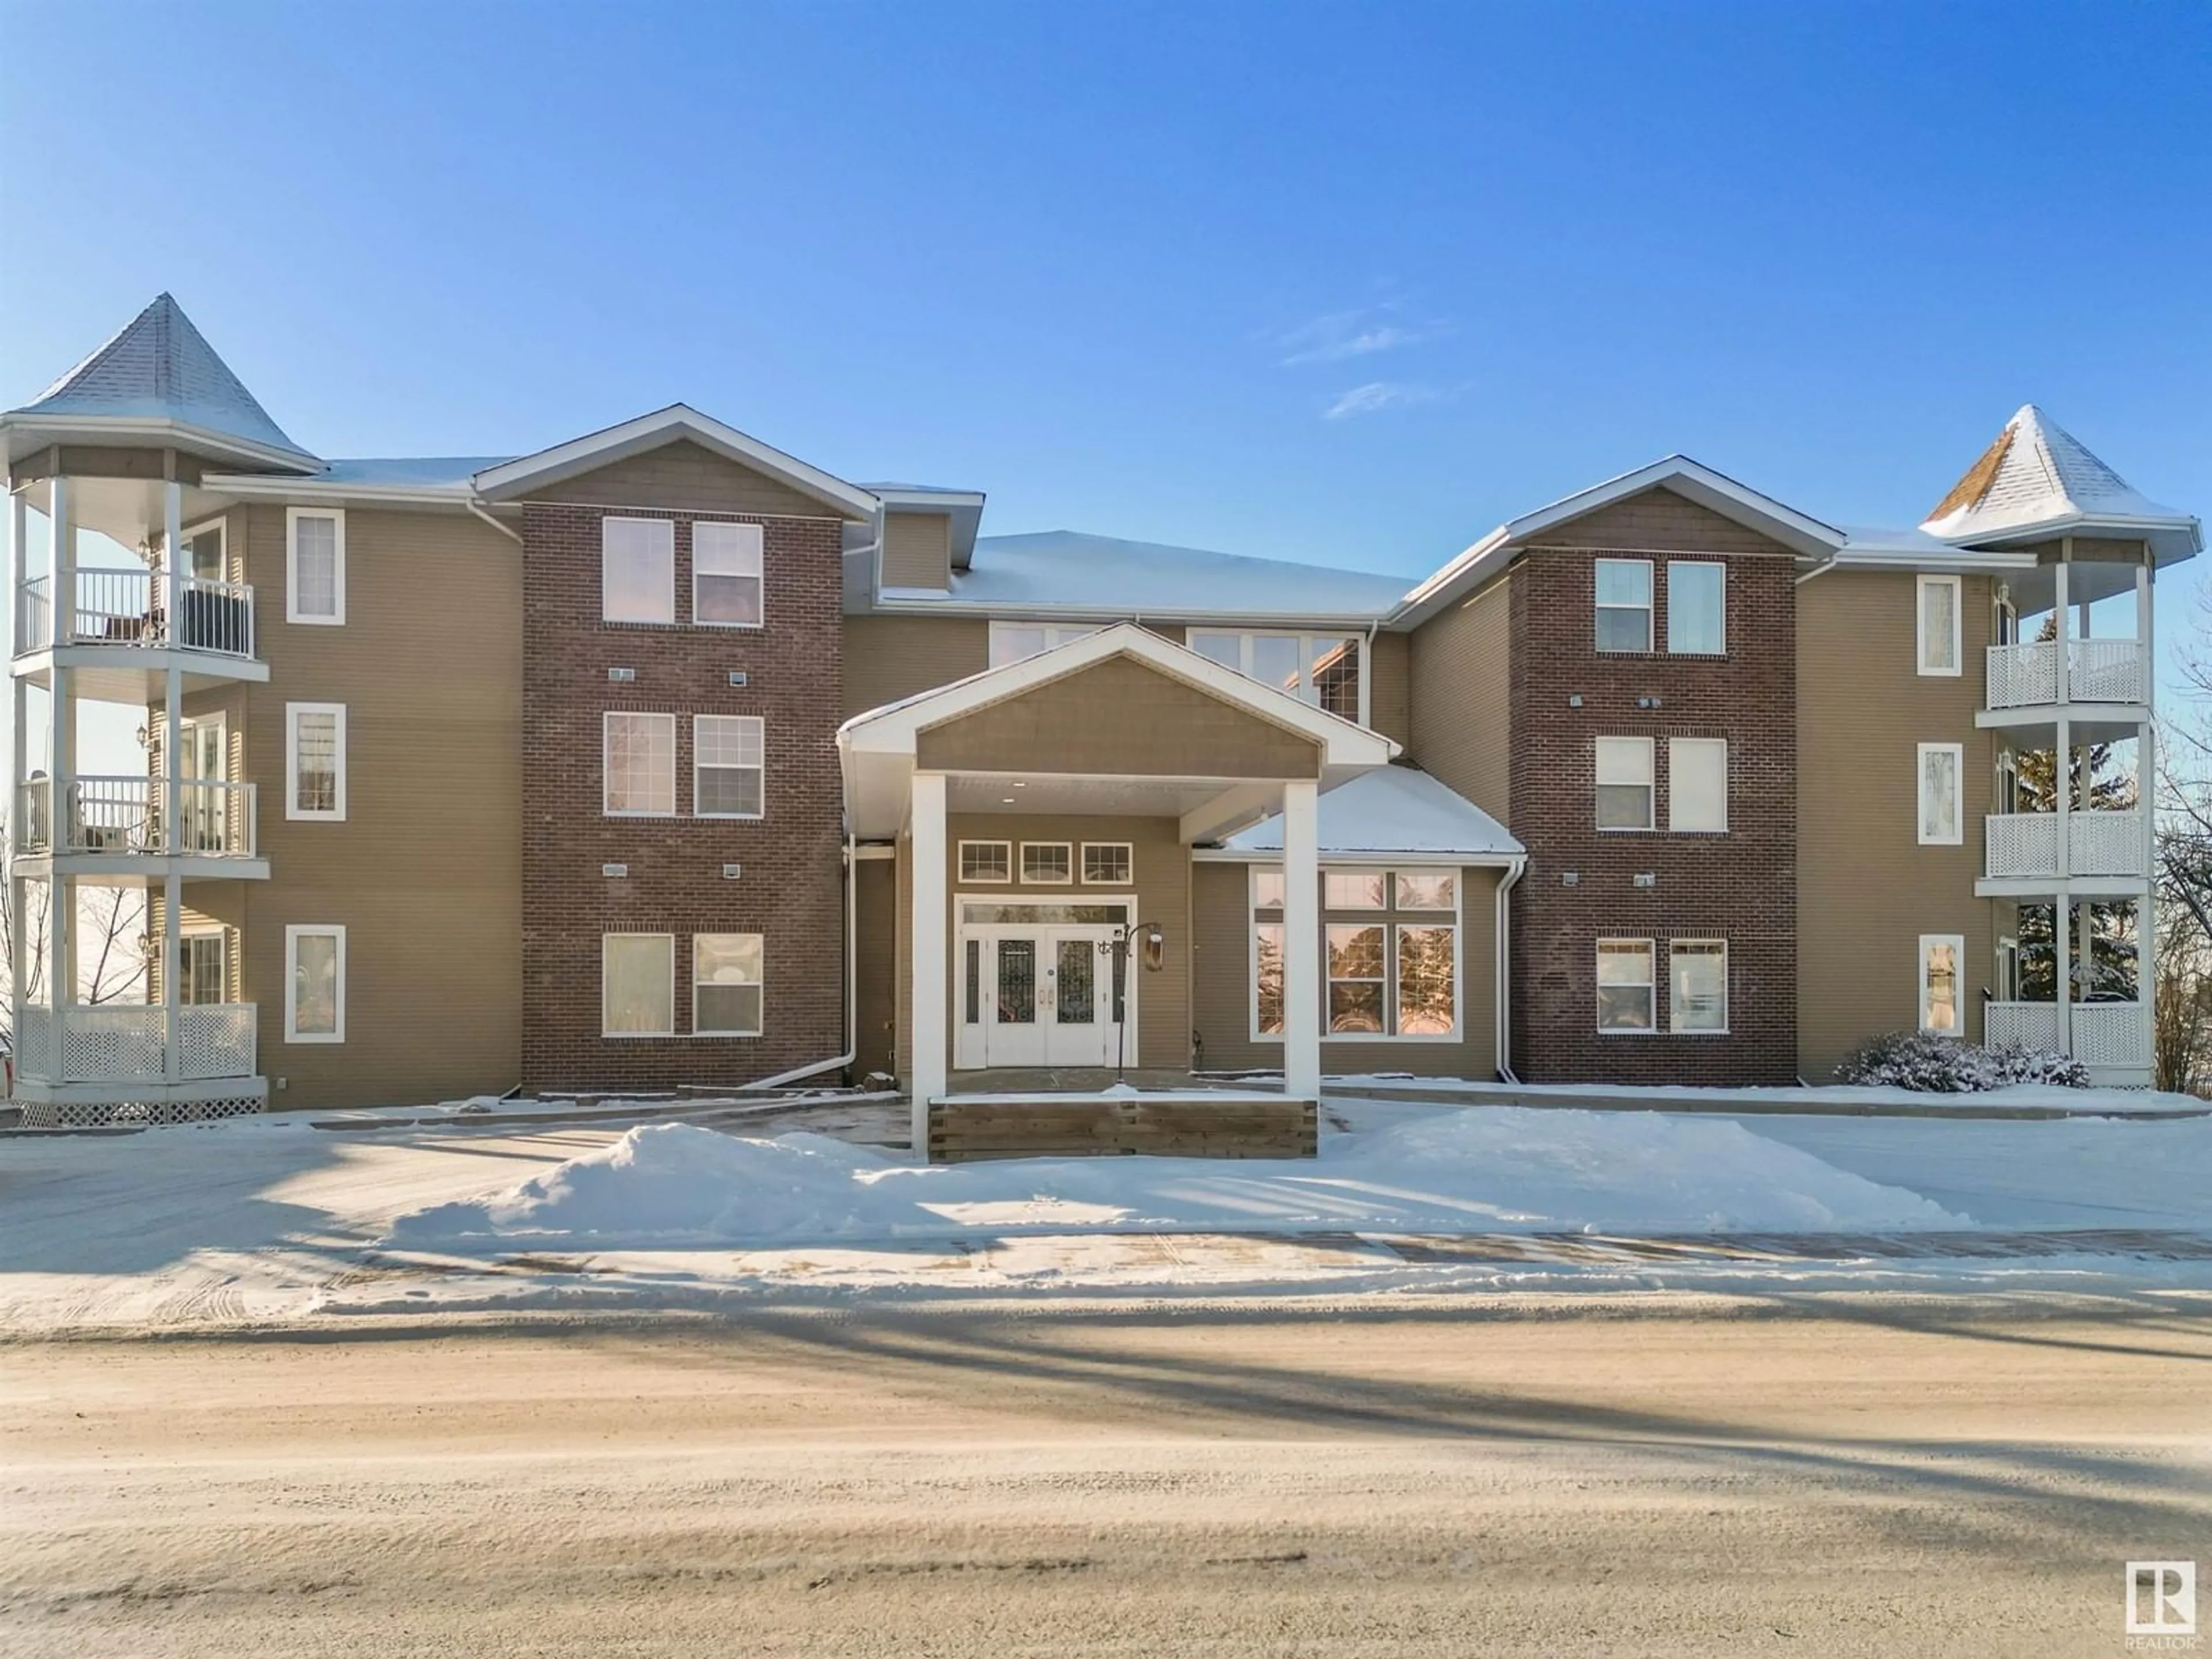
(271, 1218)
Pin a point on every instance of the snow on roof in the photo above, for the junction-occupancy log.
(2037, 473)
(1064, 570)
(159, 367)
(410, 470)
(1392, 809)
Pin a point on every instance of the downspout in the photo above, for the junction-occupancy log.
(493, 523)
(852, 985)
(1504, 1010)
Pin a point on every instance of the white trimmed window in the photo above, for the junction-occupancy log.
(1267, 979)
(1427, 889)
(1322, 669)
(1697, 981)
(1625, 792)
(315, 760)
(202, 967)
(314, 566)
(1941, 823)
(637, 570)
(1106, 863)
(727, 564)
(637, 984)
(1627, 998)
(1697, 785)
(1697, 608)
(729, 777)
(1267, 888)
(987, 860)
(726, 984)
(1357, 976)
(1353, 890)
(1049, 863)
(315, 984)
(1940, 955)
(638, 753)
(1428, 980)
(1012, 641)
(1939, 625)
(1624, 605)
(1389, 954)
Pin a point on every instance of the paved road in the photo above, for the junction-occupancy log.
(1502, 1479)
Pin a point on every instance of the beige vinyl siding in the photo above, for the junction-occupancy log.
(917, 550)
(1461, 679)
(1867, 889)
(890, 657)
(1389, 687)
(1221, 998)
(1659, 520)
(683, 476)
(425, 873)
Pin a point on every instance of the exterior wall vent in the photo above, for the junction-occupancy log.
(1574, 699)
(621, 674)
(732, 872)
(1647, 703)
(1647, 879)
(738, 677)
(1570, 878)
(614, 869)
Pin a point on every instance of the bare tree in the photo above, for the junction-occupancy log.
(111, 953)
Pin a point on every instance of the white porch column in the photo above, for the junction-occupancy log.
(1301, 976)
(19, 694)
(2062, 913)
(2147, 803)
(928, 961)
(2059, 618)
(61, 763)
(172, 554)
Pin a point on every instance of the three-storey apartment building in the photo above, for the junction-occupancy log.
(662, 757)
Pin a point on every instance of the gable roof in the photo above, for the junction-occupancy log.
(2038, 479)
(159, 371)
(678, 421)
(1798, 531)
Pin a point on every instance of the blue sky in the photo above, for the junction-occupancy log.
(1342, 283)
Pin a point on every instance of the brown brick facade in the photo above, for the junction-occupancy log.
(790, 890)
(1739, 886)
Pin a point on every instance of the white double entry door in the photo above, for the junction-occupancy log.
(1038, 995)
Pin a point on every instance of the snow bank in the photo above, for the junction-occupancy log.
(1486, 1169)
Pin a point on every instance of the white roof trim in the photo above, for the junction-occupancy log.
(260, 485)
(1252, 618)
(649, 432)
(158, 431)
(1795, 531)
(894, 728)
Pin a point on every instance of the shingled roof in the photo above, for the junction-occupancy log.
(2037, 474)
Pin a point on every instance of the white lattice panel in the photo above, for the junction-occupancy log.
(2104, 844)
(2111, 1034)
(2104, 671)
(2022, 674)
(215, 1039)
(2022, 844)
(33, 1055)
(84, 1115)
(114, 1045)
(2020, 1025)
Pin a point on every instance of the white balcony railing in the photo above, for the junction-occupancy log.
(124, 815)
(2026, 845)
(129, 607)
(2097, 671)
(132, 1044)
(2020, 1025)
(2111, 1034)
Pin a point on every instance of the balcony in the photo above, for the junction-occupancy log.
(122, 817)
(2024, 846)
(2095, 670)
(126, 608)
(138, 1045)
(2108, 1036)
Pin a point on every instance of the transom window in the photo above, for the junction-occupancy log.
(1939, 624)
(726, 574)
(987, 860)
(1106, 863)
(1625, 791)
(1353, 890)
(726, 984)
(1390, 954)
(728, 766)
(314, 566)
(1322, 669)
(1697, 607)
(1012, 641)
(314, 760)
(1050, 862)
(637, 570)
(1624, 605)
(637, 984)
(638, 755)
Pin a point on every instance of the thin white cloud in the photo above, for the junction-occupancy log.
(1341, 335)
(1378, 395)
(1361, 343)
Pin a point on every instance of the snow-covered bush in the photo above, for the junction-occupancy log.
(1943, 1066)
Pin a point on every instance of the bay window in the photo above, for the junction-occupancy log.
(1390, 957)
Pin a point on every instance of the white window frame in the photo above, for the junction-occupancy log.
(1958, 943)
(1450, 873)
(1649, 608)
(1721, 1029)
(1385, 983)
(1437, 921)
(1697, 745)
(201, 935)
(1649, 783)
(667, 939)
(1247, 644)
(756, 554)
(1055, 635)
(1391, 917)
(1006, 851)
(220, 524)
(1022, 868)
(1920, 626)
(1129, 852)
(1957, 754)
(1597, 1003)
(292, 810)
(1672, 565)
(668, 527)
(293, 934)
(1381, 879)
(1259, 1033)
(1267, 872)
(292, 611)
(698, 984)
(700, 767)
(606, 719)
